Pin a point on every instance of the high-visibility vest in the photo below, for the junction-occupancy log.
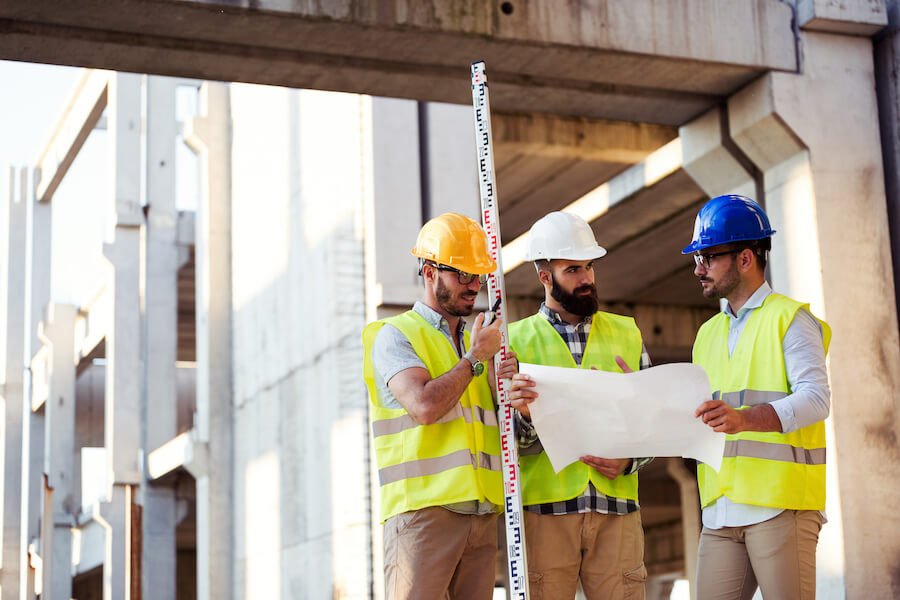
(535, 341)
(454, 460)
(779, 470)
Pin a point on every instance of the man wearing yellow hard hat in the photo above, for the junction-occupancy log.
(436, 436)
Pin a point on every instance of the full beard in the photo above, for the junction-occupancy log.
(448, 302)
(582, 306)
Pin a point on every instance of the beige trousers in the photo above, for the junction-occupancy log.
(606, 552)
(779, 555)
(435, 554)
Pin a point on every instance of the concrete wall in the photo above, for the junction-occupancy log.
(301, 523)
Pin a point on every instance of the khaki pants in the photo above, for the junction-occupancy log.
(434, 553)
(606, 552)
(779, 555)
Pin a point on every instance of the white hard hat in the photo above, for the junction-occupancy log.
(562, 235)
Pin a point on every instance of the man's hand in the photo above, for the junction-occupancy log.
(522, 393)
(485, 341)
(719, 415)
(608, 467)
(509, 366)
(723, 418)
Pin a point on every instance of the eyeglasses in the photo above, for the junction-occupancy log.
(704, 259)
(461, 276)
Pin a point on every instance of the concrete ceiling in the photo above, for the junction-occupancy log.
(650, 62)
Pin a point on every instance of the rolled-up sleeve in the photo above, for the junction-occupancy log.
(804, 359)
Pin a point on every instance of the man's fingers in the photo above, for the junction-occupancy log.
(623, 365)
(706, 406)
(479, 320)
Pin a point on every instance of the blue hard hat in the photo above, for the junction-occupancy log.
(728, 219)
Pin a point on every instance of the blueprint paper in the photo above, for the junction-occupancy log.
(616, 415)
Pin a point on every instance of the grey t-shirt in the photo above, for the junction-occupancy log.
(392, 351)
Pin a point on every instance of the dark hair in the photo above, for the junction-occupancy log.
(542, 264)
(761, 249)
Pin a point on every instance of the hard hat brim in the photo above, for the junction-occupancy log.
(592, 254)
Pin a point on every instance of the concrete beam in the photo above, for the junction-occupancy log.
(585, 139)
(37, 296)
(662, 163)
(209, 135)
(709, 161)
(852, 17)
(162, 260)
(12, 314)
(124, 372)
(82, 113)
(652, 61)
(61, 503)
(124, 151)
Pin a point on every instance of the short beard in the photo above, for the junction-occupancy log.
(445, 297)
(583, 306)
(726, 284)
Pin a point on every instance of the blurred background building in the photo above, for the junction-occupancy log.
(187, 265)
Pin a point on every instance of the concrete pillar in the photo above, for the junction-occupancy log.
(37, 294)
(887, 78)
(61, 503)
(811, 134)
(690, 517)
(210, 136)
(12, 314)
(160, 334)
(122, 414)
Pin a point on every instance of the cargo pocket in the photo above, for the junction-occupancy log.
(634, 583)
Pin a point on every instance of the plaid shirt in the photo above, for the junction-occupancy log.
(590, 500)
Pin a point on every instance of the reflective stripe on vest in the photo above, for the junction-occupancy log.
(780, 470)
(456, 459)
(536, 341)
(403, 422)
(748, 397)
(781, 452)
(433, 466)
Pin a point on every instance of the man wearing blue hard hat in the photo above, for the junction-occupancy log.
(765, 357)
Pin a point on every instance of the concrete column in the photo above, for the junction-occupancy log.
(210, 136)
(61, 503)
(122, 414)
(811, 134)
(37, 294)
(13, 316)
(160, 334)
(887, 78)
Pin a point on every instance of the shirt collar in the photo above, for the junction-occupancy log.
(554, 318)
(755, 300)
(435, 319)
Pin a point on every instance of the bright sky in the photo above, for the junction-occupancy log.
(32, 98)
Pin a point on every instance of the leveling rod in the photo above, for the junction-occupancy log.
(512, 482)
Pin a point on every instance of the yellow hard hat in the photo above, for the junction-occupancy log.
(456, 241)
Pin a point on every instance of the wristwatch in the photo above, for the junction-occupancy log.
(477, 365)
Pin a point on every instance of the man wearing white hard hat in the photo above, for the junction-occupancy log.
(582, 524)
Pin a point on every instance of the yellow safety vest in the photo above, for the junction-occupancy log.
(535, 341)
(780, 470)
(454, 460)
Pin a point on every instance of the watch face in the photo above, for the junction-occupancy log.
(478, 368)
